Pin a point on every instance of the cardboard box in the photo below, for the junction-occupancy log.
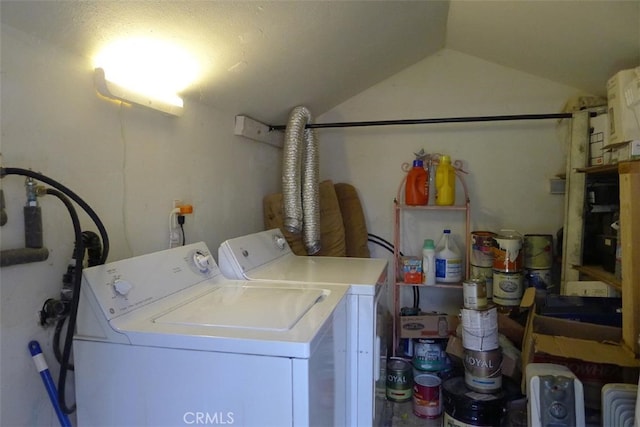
(622, 89)
(623, 151)
(410, 269)
(592, 288)
(593, 352)
(598, 139)
(429, 325)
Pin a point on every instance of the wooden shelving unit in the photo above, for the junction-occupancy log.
(628, 173)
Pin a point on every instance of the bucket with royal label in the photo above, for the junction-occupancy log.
(399, 380)
(483, 273)
(474, 294)
(482, 248)
(538, 251)
(429, 354)
(464, 407)
(483, 370)
(507, 288)
(507, 251)
(427, 396)
(538, 278)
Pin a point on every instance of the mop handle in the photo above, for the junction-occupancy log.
(41, 366)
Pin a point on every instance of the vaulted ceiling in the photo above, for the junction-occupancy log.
(263, 58)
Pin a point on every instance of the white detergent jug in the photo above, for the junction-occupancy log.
(448, 260)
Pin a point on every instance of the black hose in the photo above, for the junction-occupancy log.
(73, 196)
(389, 246)
(91, 242)
(56, 342)
(77, 280)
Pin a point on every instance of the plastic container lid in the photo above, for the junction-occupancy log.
(447, 231)
(445, 159)
(428, 244)
(417, 163)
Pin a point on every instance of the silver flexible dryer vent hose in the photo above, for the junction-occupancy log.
(301, 200)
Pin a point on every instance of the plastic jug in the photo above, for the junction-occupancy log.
(445, 182)
(448, 260)
(416, 187)
(429, 262)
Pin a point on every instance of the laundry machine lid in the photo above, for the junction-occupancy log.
(266, 256)
(265, 308)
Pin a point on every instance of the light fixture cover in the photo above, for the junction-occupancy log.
(115, 91)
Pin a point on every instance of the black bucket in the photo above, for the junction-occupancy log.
(462, 405)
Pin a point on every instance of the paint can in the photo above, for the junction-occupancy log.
(464, 407)
(480, 319)
(480, 339)
(483, 273)
(507, 288)
(427, 396)
(429, 355)
(474, 294)
(538, 251)
(507, 251)
(538, 278)
(399, 380)
(483, 370)
(482, 248)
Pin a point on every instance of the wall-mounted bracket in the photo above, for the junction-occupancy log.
(257, 131)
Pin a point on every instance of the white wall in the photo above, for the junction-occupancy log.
(128, 164)
(509, 164)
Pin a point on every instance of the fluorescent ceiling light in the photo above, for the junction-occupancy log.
(146, 72)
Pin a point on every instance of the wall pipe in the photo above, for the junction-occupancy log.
(437, 120)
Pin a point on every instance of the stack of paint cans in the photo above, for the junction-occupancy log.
(481, 258)
(538, 260)
(508, 275)
(429, 361)
(482, 353)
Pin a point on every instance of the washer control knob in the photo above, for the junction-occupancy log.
(279, 241)
(122, 287)
(202, 261)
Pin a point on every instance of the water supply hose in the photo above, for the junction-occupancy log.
(64, 194)
(43, 368)
(73, 196)
(300, 192)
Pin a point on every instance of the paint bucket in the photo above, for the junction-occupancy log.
(474, 294)
(507, 251)
(483, 370)
(538, 278)
(464, 407)
(427, 396)
(482, 248)
(483, 273)
(429, 355)
(480, 319)
(399, 380)
(507, 288)
(480, 339)
(538, 251)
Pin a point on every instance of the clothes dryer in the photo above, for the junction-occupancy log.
(164, 339)
(266, 256)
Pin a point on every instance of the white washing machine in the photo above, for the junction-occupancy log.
(165, 339)
(267, 256)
